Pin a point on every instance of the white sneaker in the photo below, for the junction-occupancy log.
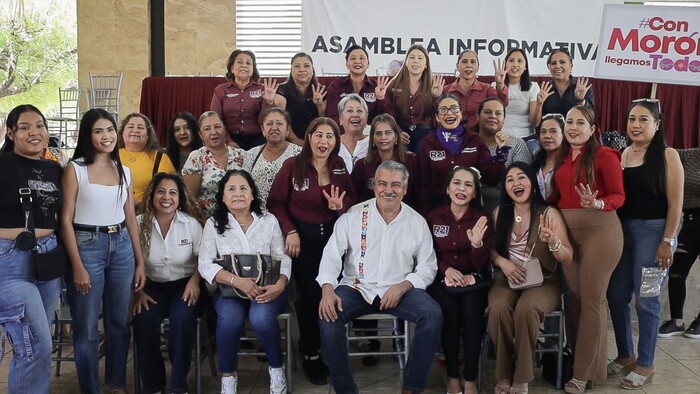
(229, 384)
(278, 380)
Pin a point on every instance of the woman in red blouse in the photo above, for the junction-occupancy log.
(308, 194)
(462, 239)
(587, 188)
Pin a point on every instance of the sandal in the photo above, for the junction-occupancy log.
(502, 388)
(635, 381)
(575, 386)
(518, 390)
(617, 369)
(447, 384)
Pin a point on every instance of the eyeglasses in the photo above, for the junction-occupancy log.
(453, 108)
(553, 116)
(648, 100)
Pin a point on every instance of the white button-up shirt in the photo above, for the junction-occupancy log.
(398, 251)
(174, 256)
(264, 235)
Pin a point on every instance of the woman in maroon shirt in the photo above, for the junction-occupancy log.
(385, 145)
(242, 99)
(462, 239)
(308, 194)
(588, 188)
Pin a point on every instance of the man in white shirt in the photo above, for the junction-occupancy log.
(388, 262)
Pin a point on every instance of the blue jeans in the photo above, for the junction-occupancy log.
(415, 306)
(109, 259)
(183, 332)
(642, 238)
(26, 311)
(231, 314)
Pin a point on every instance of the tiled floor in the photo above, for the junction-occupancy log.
(677, 364)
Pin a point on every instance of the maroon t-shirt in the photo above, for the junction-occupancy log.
(239, 108)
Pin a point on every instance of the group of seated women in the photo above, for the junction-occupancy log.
(249, 177)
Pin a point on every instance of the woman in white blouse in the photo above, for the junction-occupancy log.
(264, 162)
(170, 230)
(240, 226)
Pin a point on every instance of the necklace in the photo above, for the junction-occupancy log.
(133, 158)
(243, 224)
(518, 217)
(642, 149)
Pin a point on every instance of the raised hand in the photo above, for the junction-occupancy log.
(319, 97)
(548, 229)
(335, 199)
(269, 90)
(382, 85)
(499, 73)
(476, 233)
(438, 85)
(582, 87)
(545, 91)
(501, 139)
(588, 197)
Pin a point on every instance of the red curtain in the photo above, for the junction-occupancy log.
(162, 97)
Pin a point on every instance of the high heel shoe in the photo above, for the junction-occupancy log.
(501, 388)
(635, 381)
(575, 386)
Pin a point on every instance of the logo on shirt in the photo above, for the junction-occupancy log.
(370, 183)
(441, 230)
(184, 242)
(469, 149)
(437, 155)
(370, 97)
(255, 93)
(339, 171)
(231, 95)
(304, 186)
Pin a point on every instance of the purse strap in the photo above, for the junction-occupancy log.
(156, 164)
(25, 198)
(257, 157)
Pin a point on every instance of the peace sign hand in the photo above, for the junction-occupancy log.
(499, 73)
(335, 199)
(476, 233)
(438, 85)
(270, 89)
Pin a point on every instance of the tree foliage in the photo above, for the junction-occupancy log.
(38, 57)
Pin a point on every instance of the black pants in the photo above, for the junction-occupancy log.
(683, 260)
(466, 313)
(305, 270)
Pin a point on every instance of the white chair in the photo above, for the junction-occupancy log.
(105, 91)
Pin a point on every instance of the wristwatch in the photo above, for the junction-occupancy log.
(670, 241)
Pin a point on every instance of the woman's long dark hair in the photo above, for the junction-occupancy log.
(585, 170)
(655, 156)
(506, 211)
(525, 78)
(220, 215)
(402, 81)
(13, 120)
(173, 147)
(305, 156)
(85, 149)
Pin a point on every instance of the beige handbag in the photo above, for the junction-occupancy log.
(533, 268)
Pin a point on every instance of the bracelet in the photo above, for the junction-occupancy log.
(291, 232)
(557, 245)
(230, 281)
(480, 244)
(602, 205)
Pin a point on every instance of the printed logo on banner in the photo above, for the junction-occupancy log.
(441, 230)
(304, 186)
(370, 97)
(255, 93)
(437, 155)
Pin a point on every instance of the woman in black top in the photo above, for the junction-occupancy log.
(183, 138)
(653, 179)
(27, 305)
(304, 95)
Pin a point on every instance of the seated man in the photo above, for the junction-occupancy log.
(389, 261)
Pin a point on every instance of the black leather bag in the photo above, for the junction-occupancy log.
(50, 265)
(261, 267)
(549, 366)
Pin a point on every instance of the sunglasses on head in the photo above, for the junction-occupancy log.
(553, 116)
(648, 100)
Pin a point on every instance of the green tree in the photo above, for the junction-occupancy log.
(38, 57)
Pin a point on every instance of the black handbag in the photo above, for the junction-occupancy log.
(261, 267)
(549, 366)
(49, 265)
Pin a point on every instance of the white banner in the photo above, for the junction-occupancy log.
(650, 44)
(386, 28)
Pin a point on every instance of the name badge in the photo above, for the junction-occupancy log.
(255, 93)
(184, 242)
(370, 97)
(441, 230)
(231, 95)
(469, 149)
(437, 155)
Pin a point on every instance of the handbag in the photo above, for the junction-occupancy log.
(690, 158)
(480, 284)
(47, 266)
(549, 366)
(261, 267)
(533, 268)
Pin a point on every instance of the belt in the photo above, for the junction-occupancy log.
(115, 228)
